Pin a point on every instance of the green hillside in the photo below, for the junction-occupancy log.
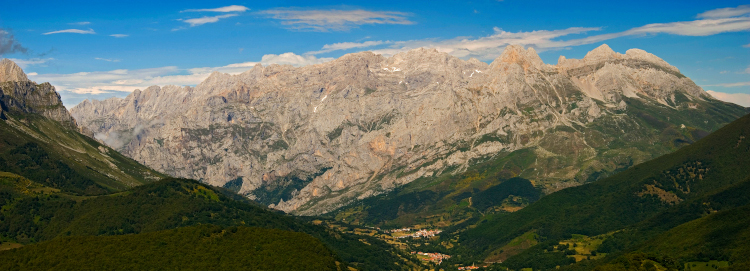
(203, 247)
(718, 240)
(49, 153)
(709, 165)
(561, 157)
(31, 212)
(632, 220)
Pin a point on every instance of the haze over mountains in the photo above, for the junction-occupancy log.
(312, 139)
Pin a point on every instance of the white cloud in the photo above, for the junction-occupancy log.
(107, 59)
(334, 20)
(731, 85)
(736, 98)
(489, 47)
(705, 27)
(114, 80)
(81, 23)
(77, 31)
(119, 35)
(32, 74)
(293, 59)
(746, 45)
(232, 8)
(747, 70)
(122, 80)
(347, 45)
(281, 59)
(725, 12)
(207, 19)
(23, 63)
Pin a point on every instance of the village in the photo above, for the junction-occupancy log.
(418, 234)
(399, 238)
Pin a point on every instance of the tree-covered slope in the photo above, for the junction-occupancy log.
(641, 192)
(715, 240)
(31, 212)
(203, 247)
(50, 153)
(561, 157)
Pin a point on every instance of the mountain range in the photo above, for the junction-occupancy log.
(313, 139)
(612, 162)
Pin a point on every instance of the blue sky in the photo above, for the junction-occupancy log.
(100, 49)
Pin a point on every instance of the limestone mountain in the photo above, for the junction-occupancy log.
(311, 139)
(41, 141)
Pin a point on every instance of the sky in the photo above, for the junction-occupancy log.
(102, 49)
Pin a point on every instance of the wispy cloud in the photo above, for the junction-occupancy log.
(207, 19)
(119, 35)
(212, 19)
(731, 85)
(736, 98)
(107, 59)
(76, 31)
(347, 45)
(489, 47)
(334, 20)
(232, 8)
(746, 45)
(24, 63)
(81, 23)
(725, 12)
(9, 44)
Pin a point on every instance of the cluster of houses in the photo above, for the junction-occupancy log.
(433, 257)
(422, 233)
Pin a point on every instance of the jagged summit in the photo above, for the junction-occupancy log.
(603, 52)
(20, 95)
(516, 54)
(9, 71)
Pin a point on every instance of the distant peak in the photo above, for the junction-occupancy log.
(601, 52)
(9, 71)
(518, 55)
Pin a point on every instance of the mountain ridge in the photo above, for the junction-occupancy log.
(308, 140)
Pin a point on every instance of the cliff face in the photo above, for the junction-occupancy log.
(310, 139)
(19, 95)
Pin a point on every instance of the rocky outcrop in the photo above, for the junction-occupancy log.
(9, 71)
(309, 139)
(19, 95)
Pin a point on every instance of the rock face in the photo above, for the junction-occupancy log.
(18, 94)
(310, 139)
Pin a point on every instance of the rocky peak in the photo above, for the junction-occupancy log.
(648, 57)
(516, 54)
(19, 95)
(9, 71)
(603, 52)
